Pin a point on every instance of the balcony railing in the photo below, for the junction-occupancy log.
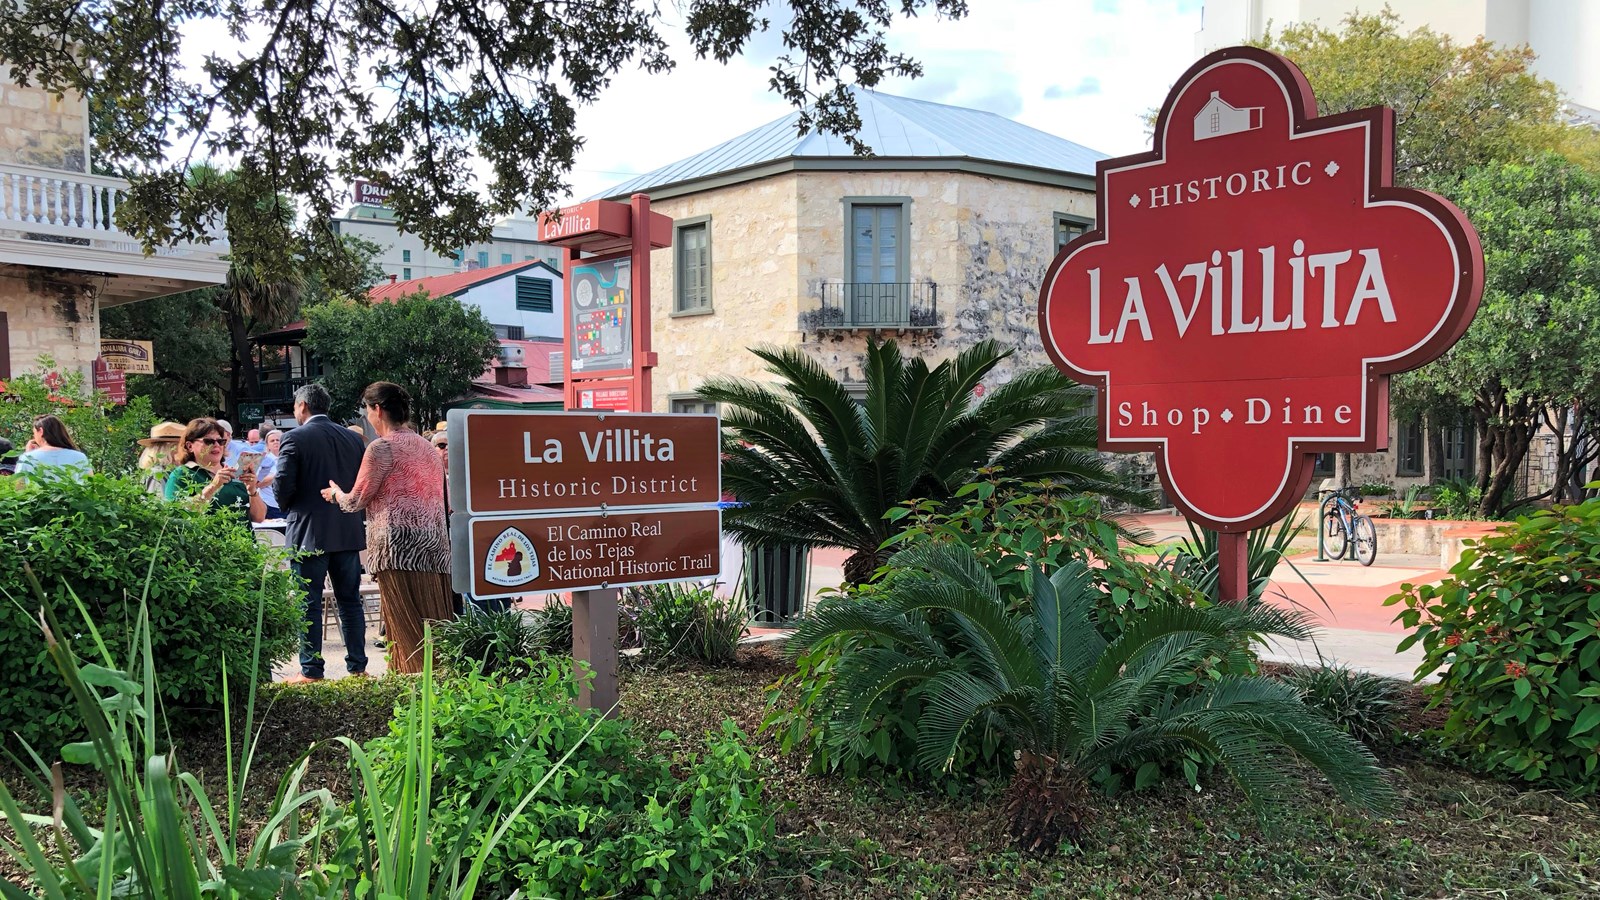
(855, 305)
(73, 208)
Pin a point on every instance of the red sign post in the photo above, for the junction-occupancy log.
(607, 310)
(1251, 284)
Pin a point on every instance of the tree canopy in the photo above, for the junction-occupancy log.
(432, 347)
(1456, 106)
(1533, 349)
(301, 95)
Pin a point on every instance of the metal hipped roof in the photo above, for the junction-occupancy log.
(895, 128)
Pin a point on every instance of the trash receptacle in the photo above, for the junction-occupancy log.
(777, 581)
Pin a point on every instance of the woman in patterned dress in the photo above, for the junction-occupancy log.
(401, 487)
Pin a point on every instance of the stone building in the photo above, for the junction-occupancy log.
(62, 256)
(940, 239)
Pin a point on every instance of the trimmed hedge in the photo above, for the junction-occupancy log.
(97, 539)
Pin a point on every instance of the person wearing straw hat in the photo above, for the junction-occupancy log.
(160, 455)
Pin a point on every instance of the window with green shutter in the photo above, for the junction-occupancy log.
(535, 295)
(693, 276)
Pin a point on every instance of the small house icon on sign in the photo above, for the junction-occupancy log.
(1219, 117)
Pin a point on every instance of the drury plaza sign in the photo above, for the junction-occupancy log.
(1251, 284)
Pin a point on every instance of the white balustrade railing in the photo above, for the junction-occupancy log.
(39, 201)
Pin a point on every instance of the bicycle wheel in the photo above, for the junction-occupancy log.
(1334, 538)
(1366, 538)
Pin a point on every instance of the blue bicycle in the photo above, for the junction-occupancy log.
(1343, 528)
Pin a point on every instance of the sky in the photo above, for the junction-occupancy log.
(1084, 70)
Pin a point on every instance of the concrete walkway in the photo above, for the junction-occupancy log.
(1344, 597)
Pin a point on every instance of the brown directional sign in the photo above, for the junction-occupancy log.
(516, 462)
(509, 556)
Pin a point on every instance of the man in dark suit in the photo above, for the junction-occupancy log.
(317, 452)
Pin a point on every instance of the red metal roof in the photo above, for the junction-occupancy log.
(446, 285)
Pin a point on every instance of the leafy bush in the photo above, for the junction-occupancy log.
(105, 432)
(1076, 705)
(1458, 498)
(1515, 633)
(1198, 560)
(109, 541)
(617, 821)
(1360, 704)
(491, 641)
(1008, 524)
(162, 836)
(686, 621)
(503, 642)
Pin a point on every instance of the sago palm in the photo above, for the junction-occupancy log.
(818, 469)
(1068, 701)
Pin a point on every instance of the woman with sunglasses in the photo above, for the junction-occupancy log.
(202, 475)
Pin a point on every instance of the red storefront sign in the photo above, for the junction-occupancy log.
(1251, 285)
(114, 382)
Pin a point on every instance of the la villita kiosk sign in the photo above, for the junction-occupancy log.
(1251, 284)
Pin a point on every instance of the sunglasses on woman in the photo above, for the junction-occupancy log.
(212, 442)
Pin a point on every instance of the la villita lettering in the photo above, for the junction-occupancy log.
(613, 445)
(1264, 290)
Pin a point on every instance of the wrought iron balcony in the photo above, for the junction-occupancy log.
(859, 305)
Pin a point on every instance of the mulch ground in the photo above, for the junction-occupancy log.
(1452, 835)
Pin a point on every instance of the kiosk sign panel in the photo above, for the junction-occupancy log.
(1251, 285)
(602, 316)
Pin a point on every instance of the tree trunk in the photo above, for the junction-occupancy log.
(1343, 470)
(859, 567)
(1558, 427)
(1508, 442)
(1433, 455)
(243, 380)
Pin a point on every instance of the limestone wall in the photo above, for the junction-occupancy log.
(37, 129)
(753, 286)
(985, 241)
(51, 314)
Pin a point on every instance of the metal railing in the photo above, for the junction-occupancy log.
(851, 305)
(53, 204)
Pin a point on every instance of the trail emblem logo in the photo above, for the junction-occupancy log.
(511, 560)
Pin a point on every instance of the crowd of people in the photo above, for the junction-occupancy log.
(338, 496)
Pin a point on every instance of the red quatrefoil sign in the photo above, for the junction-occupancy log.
(1251, 285)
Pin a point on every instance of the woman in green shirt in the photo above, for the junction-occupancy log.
(201, 474)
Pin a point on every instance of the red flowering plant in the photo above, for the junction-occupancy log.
(106, 432)
(1514, 633)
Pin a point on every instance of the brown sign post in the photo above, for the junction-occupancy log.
(587, 502)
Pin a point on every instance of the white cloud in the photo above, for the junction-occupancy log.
(1036, 61)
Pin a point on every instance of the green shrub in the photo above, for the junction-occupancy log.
(105, 432)
(1008, 524)
(1361, 704)
(100, 539)
(553, 624)
(686, 621)
(503, 642)
(1458, 498)
(491, 641)
(1515, 633)
(615, 821)
(1076, 705)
